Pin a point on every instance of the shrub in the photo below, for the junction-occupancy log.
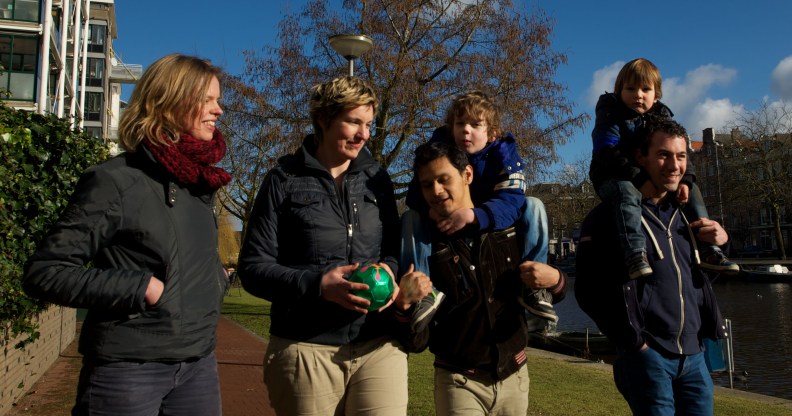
(41, 158)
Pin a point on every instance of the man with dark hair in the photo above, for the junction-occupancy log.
(658, 321)
(478, 334)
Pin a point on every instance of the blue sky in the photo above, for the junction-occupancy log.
(717, 58)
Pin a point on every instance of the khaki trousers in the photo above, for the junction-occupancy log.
(456, 394)
(366, 378)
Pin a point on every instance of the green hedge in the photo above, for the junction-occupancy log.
(41, 158)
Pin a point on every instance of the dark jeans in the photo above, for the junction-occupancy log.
(187, 388)
(656, 384)
(625, 200)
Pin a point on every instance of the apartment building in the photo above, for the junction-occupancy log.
(57, 56)
(745, 182)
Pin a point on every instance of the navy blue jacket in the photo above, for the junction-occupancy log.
(498, 188)
(672, 309)
(301, 227)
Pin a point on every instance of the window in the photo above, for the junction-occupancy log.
(764, 216)
(18, 61)
(19, 10)
(96, 38)
(95, 72)
(94, 131)
(93, 106)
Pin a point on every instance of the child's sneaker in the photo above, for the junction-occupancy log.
(538, 302)
(638, 265)
(425, 310)
(716, 261)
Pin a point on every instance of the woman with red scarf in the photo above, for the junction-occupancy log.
(137, 248)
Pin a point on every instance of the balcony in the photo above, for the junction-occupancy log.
(126, 73)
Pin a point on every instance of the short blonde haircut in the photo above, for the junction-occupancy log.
(475, 105)
(171, 91)
(639, 71)
(328, 100)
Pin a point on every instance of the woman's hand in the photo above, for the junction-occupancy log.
(339, 290)
(154, 291)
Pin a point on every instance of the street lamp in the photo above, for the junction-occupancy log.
(350, 47)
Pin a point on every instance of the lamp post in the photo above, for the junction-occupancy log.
(350, 47)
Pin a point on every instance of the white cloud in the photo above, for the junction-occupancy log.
(603, 80)
(686, 97)
(782, 78)
(683, 95)
(710, 113)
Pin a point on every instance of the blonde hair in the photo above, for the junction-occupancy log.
(639, 71)
(170, 91)
(328, 100)
(475, 105)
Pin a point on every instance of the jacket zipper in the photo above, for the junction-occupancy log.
(669, 236)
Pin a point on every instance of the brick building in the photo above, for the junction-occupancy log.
(745, 183)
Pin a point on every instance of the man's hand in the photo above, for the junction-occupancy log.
(456, 221)
(683, 191)
(414, 286)
(337, 289)
(710, 231)
(537, 275)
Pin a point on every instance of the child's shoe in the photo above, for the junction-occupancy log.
(538, 302)
(638, 265)
(716, 261)
(425, 310)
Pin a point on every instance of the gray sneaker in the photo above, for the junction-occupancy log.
(538, 302)
(425, 310)
(638, 265)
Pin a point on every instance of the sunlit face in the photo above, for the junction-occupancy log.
(346, 135)
(639, 97)
(202, 125)
(471, 135)
(665, 162)
(444, 187)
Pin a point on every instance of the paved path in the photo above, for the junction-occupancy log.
(240, 357)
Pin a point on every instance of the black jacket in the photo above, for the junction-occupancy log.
(129, 221)
(673, 309)
(301, 227)
(480, 328)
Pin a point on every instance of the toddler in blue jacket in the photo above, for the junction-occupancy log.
(619, 118)
(498, 193)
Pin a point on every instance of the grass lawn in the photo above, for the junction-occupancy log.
(558, 388)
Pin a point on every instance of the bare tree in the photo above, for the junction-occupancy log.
(757, 162)
(425, 52)
(567, 194)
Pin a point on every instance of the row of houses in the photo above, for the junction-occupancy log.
(57, 56)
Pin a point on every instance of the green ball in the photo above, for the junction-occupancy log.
(379, 282)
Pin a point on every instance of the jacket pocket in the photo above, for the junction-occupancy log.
(448, 274)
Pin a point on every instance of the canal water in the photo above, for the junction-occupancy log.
(761, 315)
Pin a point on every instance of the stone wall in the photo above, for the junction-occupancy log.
(20, 369)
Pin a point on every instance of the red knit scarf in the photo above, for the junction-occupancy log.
(190, 160)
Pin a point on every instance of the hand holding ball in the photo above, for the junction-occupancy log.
(380, 285)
